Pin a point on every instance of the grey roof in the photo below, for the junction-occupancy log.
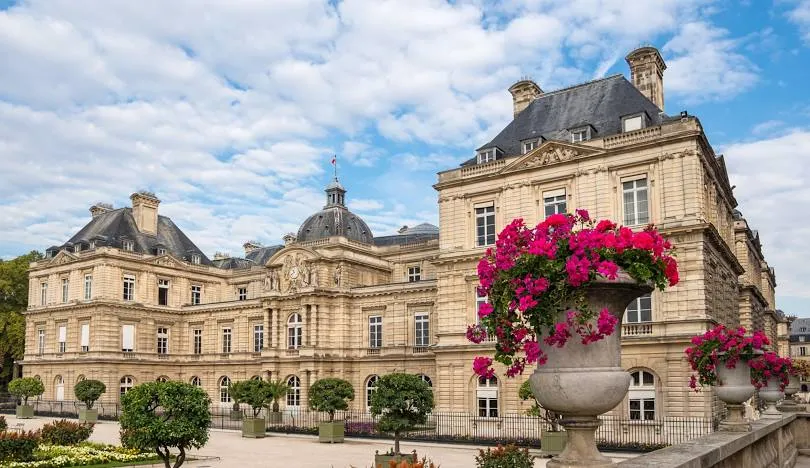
(261, 255)
(599, 103)
(112, 227)
(798, 324)
(403, 239)
(232, 263)
(424, 228)
(334, 220)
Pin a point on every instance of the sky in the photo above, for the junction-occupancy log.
(230, 110)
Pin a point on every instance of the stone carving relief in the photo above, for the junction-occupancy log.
(553, 155)
(338, 274)
(271, 281)
(297, 272)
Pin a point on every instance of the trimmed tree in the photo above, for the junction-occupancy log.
(24, 388)
(330, 395)
(88, 391)
(256, 394)
(278, 390)
(402, 402)
(161, 416)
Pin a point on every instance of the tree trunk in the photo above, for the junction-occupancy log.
(164, 456)
(181, 457)
(396, 442)
(331, 416)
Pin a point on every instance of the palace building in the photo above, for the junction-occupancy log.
(130, 298)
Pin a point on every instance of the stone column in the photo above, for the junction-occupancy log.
(267, 333)
(315, 331)
(308, 329)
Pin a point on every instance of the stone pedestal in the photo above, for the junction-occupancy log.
(734, 388)
(736, 421)
(580, 449)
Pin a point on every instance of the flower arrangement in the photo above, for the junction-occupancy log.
(535, 274)
(57, 456)
(721, 346)
(770, 366)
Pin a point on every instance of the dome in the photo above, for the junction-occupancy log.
(335, 220)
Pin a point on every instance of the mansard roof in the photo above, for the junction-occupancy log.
(420, 233)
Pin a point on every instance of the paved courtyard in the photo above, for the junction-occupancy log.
(229, 449)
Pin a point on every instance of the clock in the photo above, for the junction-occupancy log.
(294, 272)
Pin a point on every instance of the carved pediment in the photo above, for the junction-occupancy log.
(63, 257)
(549, 153)
(167, 261)
(291, 270)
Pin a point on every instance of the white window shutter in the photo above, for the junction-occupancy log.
(85, 339)
(128, 341)
(62, 333)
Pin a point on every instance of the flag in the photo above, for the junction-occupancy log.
(334, 159)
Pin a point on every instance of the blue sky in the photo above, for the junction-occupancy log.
(231, 111)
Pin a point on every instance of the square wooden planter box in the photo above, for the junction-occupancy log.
(553, 443)
(331, 432)
(88, 415)
(253, 428)
(24, 412)
(383, 460)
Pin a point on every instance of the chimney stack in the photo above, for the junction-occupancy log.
(100, 208)
(250, 246)
(523, 93)
(647, 73)
(145, 211)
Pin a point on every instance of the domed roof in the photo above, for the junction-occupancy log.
(335, 220)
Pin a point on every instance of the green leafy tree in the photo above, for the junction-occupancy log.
(161, 416)
(402, 401)
(278, 390)
(254, 393)
(88, 391)
(26, 387)
(330, 395)
(13, 301)
(525, 393)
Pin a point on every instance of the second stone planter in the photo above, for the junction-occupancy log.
(734, 388)
(771, 394)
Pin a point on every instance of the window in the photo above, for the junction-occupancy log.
(632, 123)
(197, 341)
(88, 287)
(128, 245)
(196, 381)
(554, 202)
(375, 331)
(294, 392)
(803, 329)
(77, 248)
(127, 338)
(426, 379)
(41, 341)
(62, 338)
(486, 156)
(422, 332)
(92, 244)
(161, 251)
(43, 294)
(162, 378)
(163, 292)
(126, 385)
(162, 340)
(528, 146)
(580, 134)
(636, 209)
(196, 294)
(371, 387)
(59, 388)
(414, 274)
(803, 351)
(65, 290)
(479, 301)
(84, 340)
(295, 331)
(640, 310)
(485, 225)
(258, 338)
(802, 338)
(226, 340)
(224, 390)
(642, 396)
(195, 259)
(487, 394)
(129, 287)
(241, 294)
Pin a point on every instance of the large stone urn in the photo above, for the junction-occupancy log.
(583, 381)
(771, 394)
(734, 388)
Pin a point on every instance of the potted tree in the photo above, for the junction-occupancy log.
(24, 388)
(255, 394)
(330, 395)
(277, 390)
(88, 392)
(552, 437)
(401, 402)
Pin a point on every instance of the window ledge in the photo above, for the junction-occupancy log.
(641, 422)
(496, 419)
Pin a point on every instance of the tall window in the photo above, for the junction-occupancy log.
(224, 390)
(422, 332)
(195, 259)
(126, 385)
(92, 244)
(129, 287)
(59, 388)
(84, 340)
(485, 226)
(62, 338)
(241, 294)
(127, 338)
(163, 292)
(640, 310)
(162, 340)
(197, 345)
(65, 289)
(196, 381)
(375, 331)
(554, 202)
(41, 341)
(128, 245)
(295, 331)
(161, 251)
(258, 338)
(530, 145)
(414, 274)
(294, 392)
(371, 387)
(636, 205)
(803, 351)
(88, 287)
(196, 294)
(43, 294)
(642, 396)
(226, 340)
(487, 394)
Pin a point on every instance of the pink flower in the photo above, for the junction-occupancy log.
(560, 335)
(533, 351)
(482, 367)
(476, 333)
(643, 240)
(484, 309)
(606, 323)
(605, 225)
(608, 269)
(578, 270)
(584, 215)
(558, 219)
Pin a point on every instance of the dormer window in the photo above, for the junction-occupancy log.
(161, 251)
(579, 135)
(128, 245)
(77, 248)
(530, 145)
(92, 244)
(195, 259)
(488, 155)
(633, 122)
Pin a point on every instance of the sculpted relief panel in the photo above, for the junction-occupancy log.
(297, 271)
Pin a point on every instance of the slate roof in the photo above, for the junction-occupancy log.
(599, 103)
(334, 220)
(420, 233)
(112, 227)
(798, 324)
(261, 255)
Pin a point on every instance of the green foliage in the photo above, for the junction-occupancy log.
(64, 432)
(26, 387)
(18, 446)
(88, 391)
(13, 301)
(3, 423)
(160, 416)
(277, 391)
(254, 393)
(504, 457)
(525, 393)
(330, 395)
(402, 401)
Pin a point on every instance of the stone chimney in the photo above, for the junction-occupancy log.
(221, 255)
(647, 73)
(100, 208)
(250, 246)
(145, 211)
(289, 238)
(523, 93)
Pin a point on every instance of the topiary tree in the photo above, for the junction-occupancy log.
(160, 416)
(330, 395)
(277, 391)
(26, 387)
(254, 393)
(402, 401)
(89, 391)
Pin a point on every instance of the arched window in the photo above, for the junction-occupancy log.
(426, 379)
(640, 310)
(59, 388)
(487, 396)
(224, 391)
(371, 387)
(642, 395)
(256, 377)
(126, 383)
(80, 378)
(294, 393)
(162, 378)
(295, 331)
(196, 381)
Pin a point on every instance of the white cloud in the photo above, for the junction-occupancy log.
(359, 204)
(768, 126)
(800, 15)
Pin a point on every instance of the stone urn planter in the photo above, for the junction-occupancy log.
(385, 459)
(553, 442)
(253, 428)
(331, 432)
(771, 394)
(734, 388)
(583, 381)
(791, 389)
(24, 412)
(88, 415)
